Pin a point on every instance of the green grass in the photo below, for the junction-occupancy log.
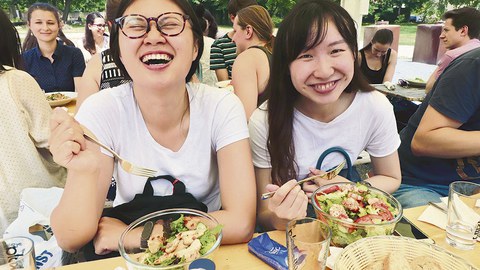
(407, 34)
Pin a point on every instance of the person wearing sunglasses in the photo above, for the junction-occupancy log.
(95, 39)
(161, 121)
(377, 60)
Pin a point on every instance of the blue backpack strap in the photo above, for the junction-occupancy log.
(341, 151)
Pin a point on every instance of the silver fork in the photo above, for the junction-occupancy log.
(328, 175)
(126, 165)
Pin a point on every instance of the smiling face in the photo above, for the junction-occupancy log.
(98, 27)
(322, 73)
(44, 25)
(155, 59)
(239, 36)
(450, 37)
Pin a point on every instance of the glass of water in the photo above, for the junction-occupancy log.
(463, 224)
(17, 253)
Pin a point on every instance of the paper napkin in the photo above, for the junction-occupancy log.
(435, 216)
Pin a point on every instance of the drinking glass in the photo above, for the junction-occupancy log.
(463, 222)
(308, 241)
(17, 253)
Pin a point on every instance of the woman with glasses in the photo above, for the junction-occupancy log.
(55, 66)
(377, 60)
(318, 100)
(95, 39)
(194, 132)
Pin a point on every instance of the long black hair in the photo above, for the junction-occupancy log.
(89, 41)
(9, 44)
(294, 36)
(195, 25)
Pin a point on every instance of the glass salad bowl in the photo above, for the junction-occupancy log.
(169, 239)
(355, 211)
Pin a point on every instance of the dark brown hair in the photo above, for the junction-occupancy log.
(294, 36)
(88, 41)
(9, 43)
(195, 25)
(466, 16)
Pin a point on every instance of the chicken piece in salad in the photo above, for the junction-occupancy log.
(355, 204)
(183, 240)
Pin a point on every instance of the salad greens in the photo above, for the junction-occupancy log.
(353, 212)
(184, 239)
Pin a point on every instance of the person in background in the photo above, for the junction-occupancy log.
(440, 143)
(377, 60)
(95, 39)
(253, 36)
(101, 71)
(56, 67)
(318, 100)
(160, 121)
(224, 51)
(459, 35)
(205, 74)
(25, 160)
(212, 27)
(30, 41)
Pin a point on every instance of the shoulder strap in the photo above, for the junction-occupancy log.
(266, 51)
(178, 186)
(341, 151)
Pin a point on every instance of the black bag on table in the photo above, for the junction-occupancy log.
(146, 203)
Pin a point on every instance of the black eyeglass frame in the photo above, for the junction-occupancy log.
(119, 22)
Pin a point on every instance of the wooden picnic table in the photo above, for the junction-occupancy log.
(405, 93)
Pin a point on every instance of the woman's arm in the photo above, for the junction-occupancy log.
(289, 202)
(245, 80)
(75, 219)
(237, 190)
(386, 171)
(90, 81)
(392, 63)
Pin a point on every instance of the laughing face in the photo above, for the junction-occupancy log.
(155, 59)
(98, 27)
(44, 25)
(322, 73)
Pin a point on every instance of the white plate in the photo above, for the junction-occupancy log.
(223, 84)
(414, 83)
(71, 96)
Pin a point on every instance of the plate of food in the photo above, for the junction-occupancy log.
(227, 84)
(417, 82)
(60, 98)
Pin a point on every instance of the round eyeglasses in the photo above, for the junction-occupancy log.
(136, 26)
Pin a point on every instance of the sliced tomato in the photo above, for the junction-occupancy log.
(331, 189)
(383, 210)
(367, 219)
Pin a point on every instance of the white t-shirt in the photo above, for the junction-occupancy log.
(208, 76)
(368, 124)
(217, 119)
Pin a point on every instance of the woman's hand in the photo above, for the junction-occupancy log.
(67, 144)
(108, 235)
(311, 186)
(289, 201)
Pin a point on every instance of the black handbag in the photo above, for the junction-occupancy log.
(146, 203)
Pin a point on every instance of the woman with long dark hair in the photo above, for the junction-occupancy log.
(318, 100)
(55, 66)
(95, 39)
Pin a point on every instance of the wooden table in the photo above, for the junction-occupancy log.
(237, 257)
(227, 257)
(410, 93)
(439, 235)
